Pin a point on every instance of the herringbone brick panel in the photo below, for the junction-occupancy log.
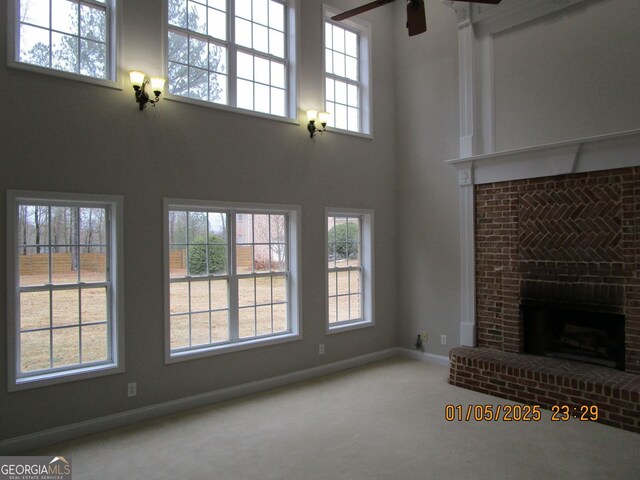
(571, 225)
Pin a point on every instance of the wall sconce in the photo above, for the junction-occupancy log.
(313, 115)
(138, 81)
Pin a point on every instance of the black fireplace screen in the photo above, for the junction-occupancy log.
(571, 333)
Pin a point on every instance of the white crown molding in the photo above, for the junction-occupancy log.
(491, 19)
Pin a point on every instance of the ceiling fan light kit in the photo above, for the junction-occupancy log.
(416, 16)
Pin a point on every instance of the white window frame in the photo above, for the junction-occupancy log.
(363, 29)
(114, 45)
(367, 265)
(114, 205)
(290, 59)
(293, 285)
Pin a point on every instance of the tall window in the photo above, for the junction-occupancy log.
(74, 36)
(232, 52)
(349, 268)
(232, 276)
(346, 74)
(64, 295)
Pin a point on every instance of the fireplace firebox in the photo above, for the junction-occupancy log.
(573, 332)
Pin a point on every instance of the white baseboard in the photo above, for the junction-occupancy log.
(88, 427)
(424, 356)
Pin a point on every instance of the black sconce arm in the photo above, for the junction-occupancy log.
(311, 126)
(142, 97)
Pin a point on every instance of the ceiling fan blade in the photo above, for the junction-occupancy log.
(416, 17)
(359, 10)
(494, 2)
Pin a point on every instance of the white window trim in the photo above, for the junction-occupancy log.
(295, 289)
(364, 32)
(293, 115)
(115, 50)
(117, 283)
(367, 259)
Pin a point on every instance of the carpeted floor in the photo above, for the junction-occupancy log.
(381, 421)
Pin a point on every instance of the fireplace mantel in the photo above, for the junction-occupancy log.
(604, 152)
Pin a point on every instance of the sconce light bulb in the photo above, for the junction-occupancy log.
(137, 78)
(157, 84)
(323, 117)
(312, 115)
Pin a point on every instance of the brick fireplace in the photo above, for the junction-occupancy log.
(546, 249)
(563, 240)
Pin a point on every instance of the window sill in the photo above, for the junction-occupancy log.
(366, 136)
(346, 327)
(46, 379)
(229, 109)
(211, 350)
(115, 84)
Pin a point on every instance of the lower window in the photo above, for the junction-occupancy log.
(232, 275)
(349, 269)
(64, 303)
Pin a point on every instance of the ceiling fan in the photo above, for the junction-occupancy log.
(416, 17)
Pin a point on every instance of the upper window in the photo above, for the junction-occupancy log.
(349, 269)
(346, 47)
(232, 52)
(72, 36)
(63, 259)
(232, 276)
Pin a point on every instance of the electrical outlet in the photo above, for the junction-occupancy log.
(424, 337)
(321, 349)
(132, 389)
(443, 339)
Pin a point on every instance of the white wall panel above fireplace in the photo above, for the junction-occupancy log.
(534, 72)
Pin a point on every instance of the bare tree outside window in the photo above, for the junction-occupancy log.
(270, 230)
(64, 285)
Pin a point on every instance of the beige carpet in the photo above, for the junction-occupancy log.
(381, 421)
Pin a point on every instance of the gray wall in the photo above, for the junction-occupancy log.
(427, 125)
(67, 136)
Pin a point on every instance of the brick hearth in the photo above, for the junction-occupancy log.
(546, 382)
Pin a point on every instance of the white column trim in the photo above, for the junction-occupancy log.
(467, 86)
(485, 101)
(471, 122)
(467, 266)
